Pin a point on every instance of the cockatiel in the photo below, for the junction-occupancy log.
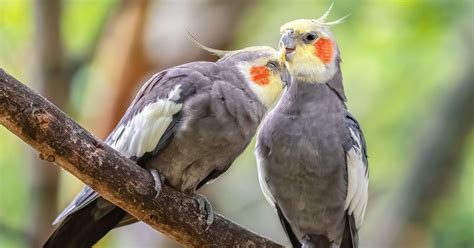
(187, 124)
(310, 151)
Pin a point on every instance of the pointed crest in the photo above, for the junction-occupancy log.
(323, 18)
(321, 21)
(223, 54)
(217, 52)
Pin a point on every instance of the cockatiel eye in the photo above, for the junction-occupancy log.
(310, 37)
(272, 65)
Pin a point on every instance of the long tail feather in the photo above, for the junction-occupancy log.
(81, 229)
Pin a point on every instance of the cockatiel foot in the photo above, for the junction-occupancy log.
(206, 208)
(159, 180)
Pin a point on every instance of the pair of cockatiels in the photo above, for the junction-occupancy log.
(189, 123)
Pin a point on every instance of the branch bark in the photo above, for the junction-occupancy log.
(60, 140)
(49, 74)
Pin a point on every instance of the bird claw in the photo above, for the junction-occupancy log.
(206, 208)
(159, 180)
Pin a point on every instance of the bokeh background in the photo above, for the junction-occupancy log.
(408, 72)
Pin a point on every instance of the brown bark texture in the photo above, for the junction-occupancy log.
(48, 71)
(59, 139)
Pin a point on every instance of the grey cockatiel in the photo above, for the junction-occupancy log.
(187, 123)
(311, 153)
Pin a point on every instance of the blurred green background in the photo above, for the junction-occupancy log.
(408, 65)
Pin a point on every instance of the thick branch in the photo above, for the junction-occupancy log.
(49, 73)
(59, 139)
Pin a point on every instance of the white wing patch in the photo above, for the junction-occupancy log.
(140, 135)
(263, 184)
(358, 182)
(143, 132)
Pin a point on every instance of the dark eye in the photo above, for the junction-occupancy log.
(310, 37)
(272, 65)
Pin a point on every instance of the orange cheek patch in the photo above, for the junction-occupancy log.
(324, 50)
(260, 75)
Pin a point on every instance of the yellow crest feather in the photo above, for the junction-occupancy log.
(303, 25)
(217, 52)
(225, 53)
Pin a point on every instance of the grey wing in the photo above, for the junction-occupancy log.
(147, 127)
(357, 172)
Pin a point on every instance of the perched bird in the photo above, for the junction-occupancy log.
(310, 151)
(186, 125)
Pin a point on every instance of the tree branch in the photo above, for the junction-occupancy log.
(59, 139)
(49, 73)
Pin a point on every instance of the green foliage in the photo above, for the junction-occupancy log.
(82, 22)
(15, 36)
(453, 223)
(13, 186)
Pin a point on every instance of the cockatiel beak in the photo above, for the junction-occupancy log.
(288, 45)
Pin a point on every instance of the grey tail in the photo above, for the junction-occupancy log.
(81, 229)
(350, 238)
(317, 241)
(295, 243)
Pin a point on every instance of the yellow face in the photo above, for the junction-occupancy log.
(265, 73)
(266, 76)
(309, 50)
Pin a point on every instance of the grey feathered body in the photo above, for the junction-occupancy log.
(302, 142)
(216, 124)
(210, 115)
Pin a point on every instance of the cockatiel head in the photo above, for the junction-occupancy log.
(309, 49)
(261, 67)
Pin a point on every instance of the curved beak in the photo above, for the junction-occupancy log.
(288, 44)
